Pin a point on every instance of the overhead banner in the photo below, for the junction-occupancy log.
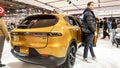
(2, 11)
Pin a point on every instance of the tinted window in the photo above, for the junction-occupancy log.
(71, 20)
(38, 21)
(78, 22)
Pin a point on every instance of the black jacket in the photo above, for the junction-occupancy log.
(114, 25)
(105, 25)
(89, 19)
(101, 24)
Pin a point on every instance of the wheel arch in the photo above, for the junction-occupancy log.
(73, 41)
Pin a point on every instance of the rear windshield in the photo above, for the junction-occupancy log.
(38, 21)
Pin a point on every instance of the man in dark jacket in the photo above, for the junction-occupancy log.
(105, 28)
(89, 19)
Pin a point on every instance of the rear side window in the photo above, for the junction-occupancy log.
(38, 21)
(71, 20)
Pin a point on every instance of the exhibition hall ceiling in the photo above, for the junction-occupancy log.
(71, 5)
(12, 6)
(64, 6)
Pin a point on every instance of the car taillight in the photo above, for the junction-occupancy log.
(37, 33)
(47, 34)
(54, 34)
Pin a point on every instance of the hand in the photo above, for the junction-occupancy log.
(95, 33)
(7, 39)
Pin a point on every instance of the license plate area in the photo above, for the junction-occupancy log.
(24, 50)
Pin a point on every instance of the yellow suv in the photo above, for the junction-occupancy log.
(47, 39)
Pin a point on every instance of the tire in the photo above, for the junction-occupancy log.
(71, 55)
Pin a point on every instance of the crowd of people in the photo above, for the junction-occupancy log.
(13, 25)
(106, 27)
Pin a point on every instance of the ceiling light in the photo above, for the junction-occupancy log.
(17, 10)
(11, 5)
(8, 11)
(30, 9)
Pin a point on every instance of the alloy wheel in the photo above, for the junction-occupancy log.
(72, 56)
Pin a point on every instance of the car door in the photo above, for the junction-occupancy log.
(75, 28)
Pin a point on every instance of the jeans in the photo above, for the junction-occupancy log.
(100, 31)
(113, 35)
(2, 39)
(105, 33)
(88, 45)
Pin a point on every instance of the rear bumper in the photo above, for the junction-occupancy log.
(50, 61)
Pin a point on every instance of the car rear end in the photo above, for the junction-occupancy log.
(34, 41)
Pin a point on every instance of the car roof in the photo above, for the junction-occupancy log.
(62, 14)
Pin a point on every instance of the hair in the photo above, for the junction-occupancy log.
(114, 20)
(89, 3)
(105, 18)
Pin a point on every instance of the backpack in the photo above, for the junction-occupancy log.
(84, 26)
(108, 25)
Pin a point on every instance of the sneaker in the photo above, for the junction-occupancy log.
(93, 58)
(2, 65)
(85, 59)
